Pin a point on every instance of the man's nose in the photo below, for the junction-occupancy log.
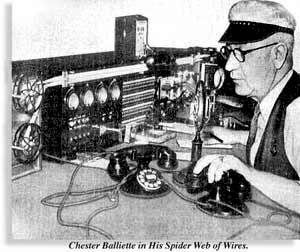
(232, 63)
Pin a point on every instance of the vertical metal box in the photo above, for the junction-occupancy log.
(131, 38)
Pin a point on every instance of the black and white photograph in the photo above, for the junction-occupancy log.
(154, 120)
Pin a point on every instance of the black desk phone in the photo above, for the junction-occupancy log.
(232, 189)
(146, 182)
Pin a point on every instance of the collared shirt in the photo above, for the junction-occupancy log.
(291, 126)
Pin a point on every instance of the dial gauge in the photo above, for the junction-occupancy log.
(88, 98)
(101, 94)
(115, 91)
(72, 100)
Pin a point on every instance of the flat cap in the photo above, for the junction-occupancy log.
(255, 20)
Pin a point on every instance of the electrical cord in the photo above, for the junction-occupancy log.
(76, 224)
(281, 208)
(261, 221)
(182, 196)
(47, 200)
(74, 163)
(268, 222)
(114, 196)
(112, 192)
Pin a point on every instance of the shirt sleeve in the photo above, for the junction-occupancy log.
(292, 134)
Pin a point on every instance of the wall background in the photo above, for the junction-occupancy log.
(51, 28)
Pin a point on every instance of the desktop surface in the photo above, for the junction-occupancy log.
(163, 218)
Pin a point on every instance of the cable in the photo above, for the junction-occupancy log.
(46, 201)
(262, 221)
(268, 222)
(73, 163)
(182, 196)
(281, 208)
(76, 224)
(114, 197)
(62, 204)
(98, 211)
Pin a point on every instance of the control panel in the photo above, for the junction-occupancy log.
(87, 111)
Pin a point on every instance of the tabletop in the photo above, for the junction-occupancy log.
(163, 218)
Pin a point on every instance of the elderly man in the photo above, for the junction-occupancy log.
(259, 47)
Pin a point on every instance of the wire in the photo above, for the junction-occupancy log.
(47, 200)
(262, 221)
(76, 224)
(114, 197)
(98, 211)
(74, 163)
(268, 220)
(281, 208)
(182, 196)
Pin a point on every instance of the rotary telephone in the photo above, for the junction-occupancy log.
(145, 182)
(232, 189)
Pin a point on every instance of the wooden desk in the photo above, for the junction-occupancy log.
(165, 218)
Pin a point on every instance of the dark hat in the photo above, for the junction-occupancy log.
(253, 20)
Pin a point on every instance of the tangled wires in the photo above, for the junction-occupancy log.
(110, 192)
(267, 221)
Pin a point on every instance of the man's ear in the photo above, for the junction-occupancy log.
(279, 52)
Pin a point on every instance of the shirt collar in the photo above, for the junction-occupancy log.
(267, 103)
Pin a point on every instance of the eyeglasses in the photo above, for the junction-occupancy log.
(238, 53)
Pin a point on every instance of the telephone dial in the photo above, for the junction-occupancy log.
(232, 189)
(146, 182)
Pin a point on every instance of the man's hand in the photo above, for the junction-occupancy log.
(218, 164)
(228, 136)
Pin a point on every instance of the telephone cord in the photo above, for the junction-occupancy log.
(77, 224)
(114, 197)
(261, 221)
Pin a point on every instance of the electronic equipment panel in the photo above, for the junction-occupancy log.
(137, 101)
(87, 111)
(176, 91)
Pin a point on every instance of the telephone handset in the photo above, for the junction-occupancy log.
(146, 182)
(232, 189)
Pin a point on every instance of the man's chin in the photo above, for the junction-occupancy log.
(242, 91)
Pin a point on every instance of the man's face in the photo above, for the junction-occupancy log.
(253, 77)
